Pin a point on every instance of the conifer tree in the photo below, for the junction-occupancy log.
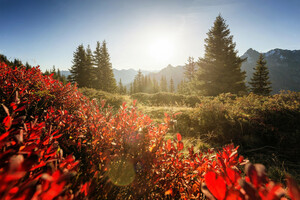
(121, 88)
(260, 83)
(78, 68)
(220, 69)
(190, 69)
(131, 88)
(184, 87)
(89, 69)
(155, 86)
(163, 84)
(97, 83)
(172, 88)
(107, 81)
(139, 81)
(148, 85)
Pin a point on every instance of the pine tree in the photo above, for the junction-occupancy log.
(163, 84)
(78, 69)
(190, 69)
(89, 69)
(104, 73)
(260, 83)
(148, 84)
(131, 89)
(155, 86)
(184, 87)
(172, 88)
(220, 69)
(120, 87)
(97, 83)
(139, 81)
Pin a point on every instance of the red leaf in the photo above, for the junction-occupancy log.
(232, 175)
(252, 174)
(21, 108)
(15, 176)
(177, 114)
(169, 192)
(233, 195)
(13, 105)
(178, 136)
(216, 184)
(179, 146)
(84, 189)
(293, 189)
(4, 135)
(134, 102)
(276, 193)
(42, 164)
(169, 144)
(7, 122)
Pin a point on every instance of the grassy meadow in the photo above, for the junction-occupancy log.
(266, 128)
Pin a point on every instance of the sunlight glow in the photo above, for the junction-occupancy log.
(161, 49)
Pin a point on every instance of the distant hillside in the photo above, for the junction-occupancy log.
(127, 75)
(65, 73)
(177, 73)
(284, 68)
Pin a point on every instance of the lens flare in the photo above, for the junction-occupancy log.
(121, 172)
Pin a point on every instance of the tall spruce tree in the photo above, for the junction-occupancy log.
(78, 72)
(121, 88)
(97, 83)
(220, 69)
(89, 69)
(190, 69)
(163, 84)
(172, 88)
(155, 86)
(139, 81)
(106, 80)
(260, 83)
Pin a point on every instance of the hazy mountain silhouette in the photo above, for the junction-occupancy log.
(283, 65)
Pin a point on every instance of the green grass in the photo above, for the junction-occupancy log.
(267, 129)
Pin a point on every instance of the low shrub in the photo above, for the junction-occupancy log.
(258, 124)
(113, 100)
(166, 99)
(47, 126)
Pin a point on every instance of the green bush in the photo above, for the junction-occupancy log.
(114, 100)
(166, 99)
(256, 123)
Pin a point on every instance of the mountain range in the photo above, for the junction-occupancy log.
(283, 65)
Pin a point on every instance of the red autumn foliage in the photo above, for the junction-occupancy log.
(56, 144)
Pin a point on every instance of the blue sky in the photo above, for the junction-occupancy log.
(47, 32)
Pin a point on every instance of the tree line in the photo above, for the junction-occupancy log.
(146, 84)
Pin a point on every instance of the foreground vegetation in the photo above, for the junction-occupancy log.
(57, 143)
(266, 128)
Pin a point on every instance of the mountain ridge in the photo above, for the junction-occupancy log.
(283, 65)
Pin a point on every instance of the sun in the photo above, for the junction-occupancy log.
(161, 49)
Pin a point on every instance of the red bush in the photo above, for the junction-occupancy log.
(120, 155)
